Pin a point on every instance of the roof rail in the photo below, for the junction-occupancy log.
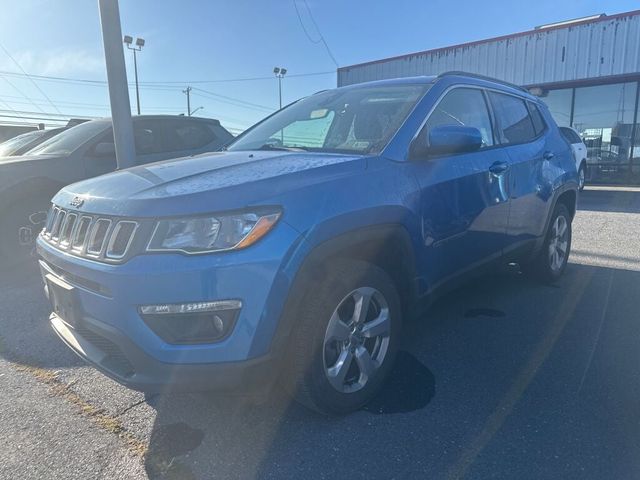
(483, 77)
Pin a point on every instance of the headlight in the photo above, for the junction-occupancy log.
(211, 234)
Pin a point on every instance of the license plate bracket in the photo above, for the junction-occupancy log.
(63, 300)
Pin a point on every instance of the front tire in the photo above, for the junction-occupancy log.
(551, 262)
(346, 339)
(20, 224)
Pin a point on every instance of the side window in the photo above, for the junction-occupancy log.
(187, 135)
(576, 138)
(538, 122)
(514, 122)
(463, 107)
(147, 134)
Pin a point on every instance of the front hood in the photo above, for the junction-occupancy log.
(205, 183)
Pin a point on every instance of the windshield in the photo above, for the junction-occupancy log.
(69, 140)
(16, 143)
(354, 120)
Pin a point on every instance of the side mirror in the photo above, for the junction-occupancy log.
(104, 149)
(447, 139)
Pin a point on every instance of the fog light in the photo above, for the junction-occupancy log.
(199, 322)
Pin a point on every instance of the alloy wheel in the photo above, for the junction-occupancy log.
(559, 242)
(356, 340)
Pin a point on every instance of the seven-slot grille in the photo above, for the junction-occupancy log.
(89, 236)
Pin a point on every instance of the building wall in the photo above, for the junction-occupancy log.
(603, 47)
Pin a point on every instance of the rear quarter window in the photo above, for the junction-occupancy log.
(187, 135)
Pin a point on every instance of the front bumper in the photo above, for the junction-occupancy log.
(112, 335)
(105, 348)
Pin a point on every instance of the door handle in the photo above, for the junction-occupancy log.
(498, 168)
(548, 155)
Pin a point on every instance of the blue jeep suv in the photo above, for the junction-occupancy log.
(295, 253)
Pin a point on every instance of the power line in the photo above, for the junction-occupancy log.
(63, 115)
(27, 75)
(22, 93)
(166, 83)
(241, 103)
(315, 24)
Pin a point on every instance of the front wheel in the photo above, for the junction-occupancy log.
(551, 261)
(346, 339)
(20, 224)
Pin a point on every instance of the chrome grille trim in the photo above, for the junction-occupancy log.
(89, 236)
(98, 237)
(67, 229)
(114, 237)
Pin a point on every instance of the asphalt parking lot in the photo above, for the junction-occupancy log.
(504, 378)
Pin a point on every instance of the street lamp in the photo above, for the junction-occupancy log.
(280, 72)
(128, 40)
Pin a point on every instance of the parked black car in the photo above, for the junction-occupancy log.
(28, 182)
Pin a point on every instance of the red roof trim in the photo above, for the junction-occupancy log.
(494, 39)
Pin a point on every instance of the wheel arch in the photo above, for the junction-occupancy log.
(387, 246)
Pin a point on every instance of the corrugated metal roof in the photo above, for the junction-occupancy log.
(595, 48)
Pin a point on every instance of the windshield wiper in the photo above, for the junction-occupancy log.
(269, 146)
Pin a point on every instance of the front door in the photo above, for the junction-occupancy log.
(464, 197)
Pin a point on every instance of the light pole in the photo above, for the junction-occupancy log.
(139, 44)
(280, 72)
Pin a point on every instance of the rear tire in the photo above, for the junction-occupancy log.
(340, 357)
(551, 262)
(582, 176)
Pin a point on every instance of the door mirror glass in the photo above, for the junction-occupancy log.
(104, 149)
(448, 139)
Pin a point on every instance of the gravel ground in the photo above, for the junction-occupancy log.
(504, 378)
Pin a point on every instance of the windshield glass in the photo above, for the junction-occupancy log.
(16, 143)
(354, 120)
(69, 140)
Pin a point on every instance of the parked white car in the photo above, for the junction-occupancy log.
(579, 152)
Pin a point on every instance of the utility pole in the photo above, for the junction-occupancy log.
(188, 93)
(117, 81)
(128, 40)
(190, 112)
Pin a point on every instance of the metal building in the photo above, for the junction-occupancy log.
(587, 70)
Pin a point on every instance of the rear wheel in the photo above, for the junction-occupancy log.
(20, 224)
(346, 339)
(582, 176)
(551, 261)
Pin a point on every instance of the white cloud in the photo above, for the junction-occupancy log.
(56, 62)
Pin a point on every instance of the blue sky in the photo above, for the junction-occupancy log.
(189, 41)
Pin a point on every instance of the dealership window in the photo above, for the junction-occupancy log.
(559, 103)
(603, 116)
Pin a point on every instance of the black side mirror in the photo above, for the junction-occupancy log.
(104, 149)
(447, 139)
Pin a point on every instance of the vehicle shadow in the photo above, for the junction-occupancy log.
(610, 200)
(472, 345)
(25, 335)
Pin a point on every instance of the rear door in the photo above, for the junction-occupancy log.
(463, 197)
(521, 129)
